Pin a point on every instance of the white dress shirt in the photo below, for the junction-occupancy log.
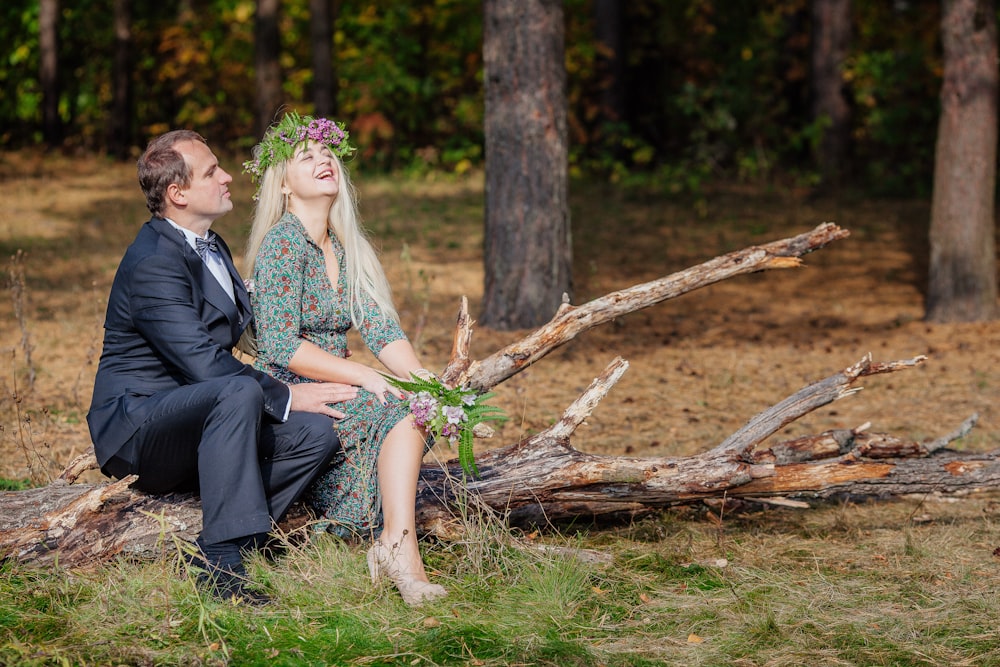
(212, 259)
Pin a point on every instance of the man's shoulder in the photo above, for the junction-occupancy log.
(154, 234)
(149, 243)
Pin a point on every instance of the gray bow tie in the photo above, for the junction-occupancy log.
(203, 245)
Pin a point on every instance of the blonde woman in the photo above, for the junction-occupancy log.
(315, 276)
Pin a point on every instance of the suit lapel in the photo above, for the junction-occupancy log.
(239, 288)
(210, 287)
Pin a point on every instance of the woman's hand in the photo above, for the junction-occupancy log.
(376, 383)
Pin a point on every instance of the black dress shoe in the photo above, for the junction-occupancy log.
(232, 587)
(223, 575)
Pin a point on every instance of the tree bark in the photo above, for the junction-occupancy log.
(120, 122)
(963, 274)
(609, 34)
(544, 479)
(322, 15)
(831, 35)
(527, 247)
(48, 75)
(267, 53)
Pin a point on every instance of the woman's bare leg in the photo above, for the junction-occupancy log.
(398, 469)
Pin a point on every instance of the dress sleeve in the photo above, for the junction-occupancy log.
(378, 331)
(279, 271)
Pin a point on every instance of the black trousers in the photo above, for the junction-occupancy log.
(213, 437)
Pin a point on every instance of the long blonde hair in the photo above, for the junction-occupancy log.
(365, 276)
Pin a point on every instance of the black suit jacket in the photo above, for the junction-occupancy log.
(169, 324)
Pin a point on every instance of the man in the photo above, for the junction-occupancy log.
(171, 403)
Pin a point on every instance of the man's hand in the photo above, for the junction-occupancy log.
(315, 396)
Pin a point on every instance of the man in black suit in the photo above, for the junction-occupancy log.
(171, 403)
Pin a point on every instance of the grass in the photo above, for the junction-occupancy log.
(834, 585)
(14, 484)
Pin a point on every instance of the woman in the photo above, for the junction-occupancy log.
(315, 276)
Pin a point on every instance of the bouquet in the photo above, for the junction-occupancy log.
(449, 413)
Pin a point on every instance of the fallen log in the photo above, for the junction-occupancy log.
(544, 478)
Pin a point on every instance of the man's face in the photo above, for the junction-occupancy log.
(207, 196)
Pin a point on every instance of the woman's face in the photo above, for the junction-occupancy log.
(312, 173)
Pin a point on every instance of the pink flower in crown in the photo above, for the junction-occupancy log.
(325, 131)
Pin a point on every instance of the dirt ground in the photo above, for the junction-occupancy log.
(700, 365)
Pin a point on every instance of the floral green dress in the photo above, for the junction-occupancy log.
(294, 301)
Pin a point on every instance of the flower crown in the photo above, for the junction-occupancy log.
(280, 141)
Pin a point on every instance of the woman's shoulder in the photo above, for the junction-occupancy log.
(287, 230)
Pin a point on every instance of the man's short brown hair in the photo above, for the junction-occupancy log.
(160, 165)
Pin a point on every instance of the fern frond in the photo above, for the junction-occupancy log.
(433, 397)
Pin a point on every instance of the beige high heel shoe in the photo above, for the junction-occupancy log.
(415, 592)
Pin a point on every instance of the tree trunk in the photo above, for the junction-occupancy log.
(323, 16)
(540, 481)
(48, 57)
(609, 35)
(831, 35)
(527, 249)
(120, 122)
(267, 50)
(963, 273)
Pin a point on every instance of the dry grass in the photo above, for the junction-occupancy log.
(911, 581)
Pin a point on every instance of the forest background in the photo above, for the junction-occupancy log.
(704, 90)
(715, 148)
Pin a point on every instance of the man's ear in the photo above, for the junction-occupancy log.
(176, 196)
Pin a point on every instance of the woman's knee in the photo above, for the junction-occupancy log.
(407, 431)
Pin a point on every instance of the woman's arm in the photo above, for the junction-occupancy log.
(279, 277)
(400, 358)
(312, 361)
(385, 338)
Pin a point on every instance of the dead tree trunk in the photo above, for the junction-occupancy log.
(545, 479)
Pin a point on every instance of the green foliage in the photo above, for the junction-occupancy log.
(713, 89)
(411, 81)
(197, 70)
(895, 80)
(21, 101)
(721, 89)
